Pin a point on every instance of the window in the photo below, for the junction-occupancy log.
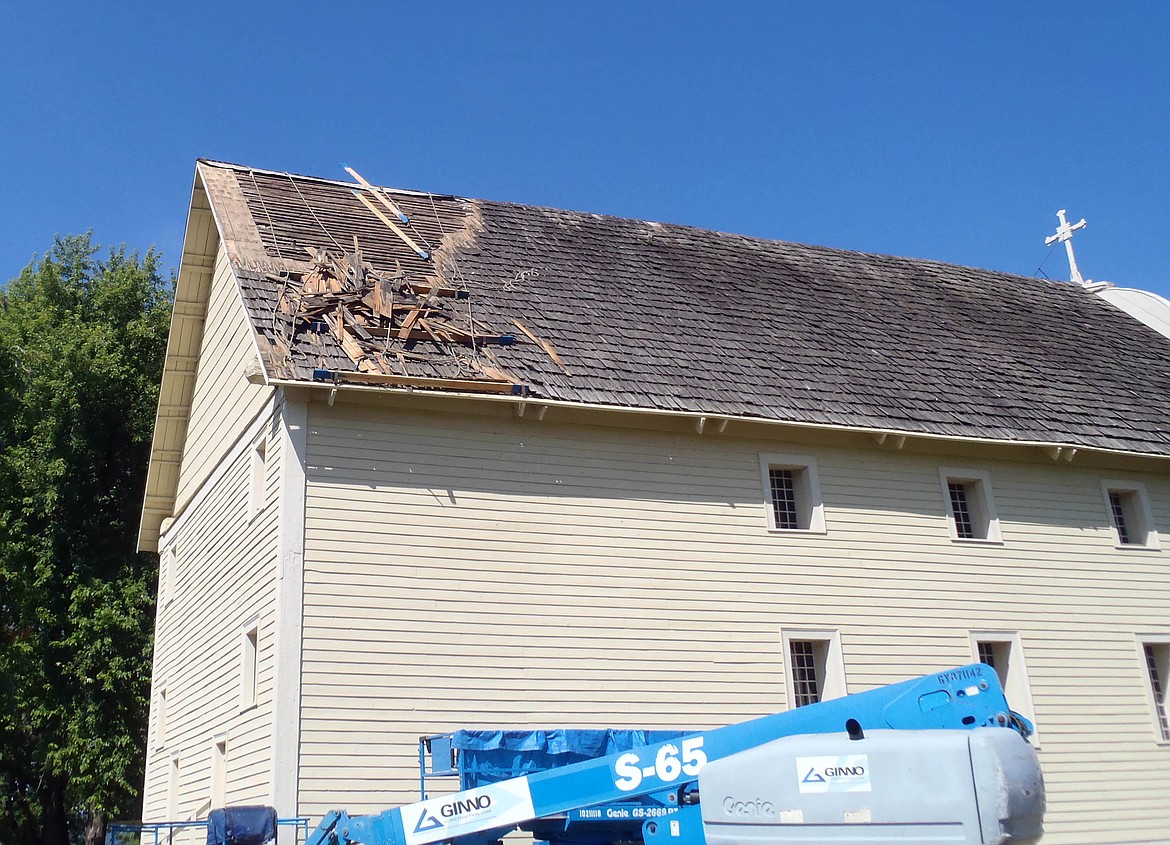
(166, 576)
(1155, 655)
(249, 665)
(160, 722)
(173, 790)
(258, 479)
(815, 671)
(970, 505)
(1003, 652)
(989, 654)
(1129, 515)
(792, 493)
(218, 795)
(808, 671)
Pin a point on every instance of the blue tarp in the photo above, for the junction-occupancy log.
(489, 756)
(246, 825)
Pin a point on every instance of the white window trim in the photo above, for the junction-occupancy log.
(160, 717)
(811, 479)
(217, 793)
(174, 774)
(1140, 641)
(249, 675)
(167, 566)
(1139, 490)
(257, 475)
(966, 476)
(834, 684)
(1018, 685)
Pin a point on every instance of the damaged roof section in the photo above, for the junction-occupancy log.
(561, 305)
(337, 290)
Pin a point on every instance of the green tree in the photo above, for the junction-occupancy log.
(82, 342)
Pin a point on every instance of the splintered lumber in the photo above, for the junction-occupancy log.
(466, 385)
(437, 289)
(382, 298)
(375, 318)
(404, 329)
(454, 335)
(353, 325)
(492, 372)
(350, 346)
(543, 344)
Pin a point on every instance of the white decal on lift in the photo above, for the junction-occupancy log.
(668, 765)
(496, 805)
(844, 773)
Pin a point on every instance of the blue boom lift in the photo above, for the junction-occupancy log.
(938, 759)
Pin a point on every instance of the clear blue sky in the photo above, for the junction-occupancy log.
(944, 130)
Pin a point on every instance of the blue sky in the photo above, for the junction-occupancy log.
(951, 131)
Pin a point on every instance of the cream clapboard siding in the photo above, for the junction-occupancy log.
(480, 572)
(222, 402)
(224, 580)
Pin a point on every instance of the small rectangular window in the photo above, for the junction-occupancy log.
(167, 566)
(792, 493)
(249, 666)
(1155, 655)
(784, 498)
(808, 671)
(1129, 515)
(257, 478)
(815, 670)
(1003, 652)
(218, 795)
(970, 505)
(987, 655)
(173, 790)
(1117, 506)
(160, 722)
(961, 509)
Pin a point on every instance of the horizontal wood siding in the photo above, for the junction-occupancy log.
(481, 572)
(224, 580)
(223, 402)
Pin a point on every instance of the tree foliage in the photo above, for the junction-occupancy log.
(82, 341)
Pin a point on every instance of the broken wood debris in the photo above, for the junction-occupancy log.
(543, 344)
(378, 318)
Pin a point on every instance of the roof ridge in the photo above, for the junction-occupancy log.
(325, 180)
(822, 248)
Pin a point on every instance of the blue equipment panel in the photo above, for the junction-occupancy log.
(481, 757)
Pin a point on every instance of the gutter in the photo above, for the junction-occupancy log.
(702, 422)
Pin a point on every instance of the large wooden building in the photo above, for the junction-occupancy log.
(704, 465)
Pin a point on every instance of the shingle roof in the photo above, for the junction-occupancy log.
(660, 316)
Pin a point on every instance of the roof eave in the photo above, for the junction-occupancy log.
(626, 416)
(197, 265)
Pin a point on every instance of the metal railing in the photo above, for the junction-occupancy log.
(163, 833)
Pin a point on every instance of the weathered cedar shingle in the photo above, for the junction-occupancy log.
(670, 317)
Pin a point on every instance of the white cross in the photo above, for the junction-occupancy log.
(1064, 235)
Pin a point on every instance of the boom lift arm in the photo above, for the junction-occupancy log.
(960, 699)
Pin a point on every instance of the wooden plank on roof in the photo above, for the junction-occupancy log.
(377, 192)
(408, 322)
(543, 344)
(391, 224)
(350, 346)
(381, 300)
(436, 288)
(352, 324)
(467, 385)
